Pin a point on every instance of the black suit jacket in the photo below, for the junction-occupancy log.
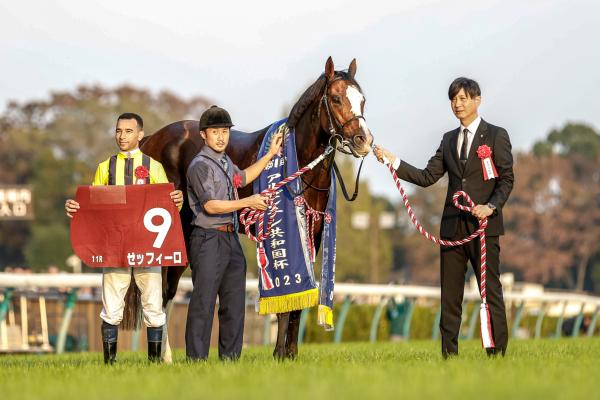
(446, 159)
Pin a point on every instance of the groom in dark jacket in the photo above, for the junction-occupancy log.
(489, 189)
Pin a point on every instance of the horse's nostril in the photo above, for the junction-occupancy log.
(359, 140)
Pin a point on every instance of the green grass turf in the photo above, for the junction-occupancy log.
(545, 369)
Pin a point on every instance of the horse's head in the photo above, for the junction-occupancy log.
(340, 109)
(343, 104)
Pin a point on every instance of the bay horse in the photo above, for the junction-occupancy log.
(330, 111)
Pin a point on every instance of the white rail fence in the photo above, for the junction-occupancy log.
(539, 303)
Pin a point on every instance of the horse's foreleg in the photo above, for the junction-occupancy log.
(170, 277)
(283, 320)
(166, 355)
(291, 343)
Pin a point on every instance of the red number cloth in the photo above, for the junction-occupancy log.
(128, 226)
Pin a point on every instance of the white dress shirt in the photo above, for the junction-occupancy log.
(130, 153)
(472, 128)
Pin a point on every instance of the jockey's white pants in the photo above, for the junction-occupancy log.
(115, 282)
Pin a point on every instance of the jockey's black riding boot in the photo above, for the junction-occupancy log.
(110, 333)
(154, 343)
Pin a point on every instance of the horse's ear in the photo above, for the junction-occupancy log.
(329, 69)
(352, 69)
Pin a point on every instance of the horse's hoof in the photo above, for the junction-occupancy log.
(292, 353)
(167, 356)
(279, 354)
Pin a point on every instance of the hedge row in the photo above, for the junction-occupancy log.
(358, 324)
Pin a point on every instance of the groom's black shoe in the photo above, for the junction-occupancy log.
(495, 351)
(449, 354)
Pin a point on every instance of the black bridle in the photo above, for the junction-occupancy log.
(343, 145)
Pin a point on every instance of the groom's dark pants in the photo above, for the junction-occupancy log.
(218, 268)
(452, 278)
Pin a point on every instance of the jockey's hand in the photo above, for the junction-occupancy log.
(481, 211)
(384, 156)
(177, 197)
(256, 202)
(275, 144)
(71, 207)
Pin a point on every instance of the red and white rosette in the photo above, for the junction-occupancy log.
(141, 173)
(237, 181)
(484, 152)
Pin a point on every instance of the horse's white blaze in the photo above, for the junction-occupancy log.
(363, 125)
(356, 99)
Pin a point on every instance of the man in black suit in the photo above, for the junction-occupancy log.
(457, 155)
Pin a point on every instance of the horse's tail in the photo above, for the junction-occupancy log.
(132, 315)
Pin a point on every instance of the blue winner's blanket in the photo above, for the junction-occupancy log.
(285, 259)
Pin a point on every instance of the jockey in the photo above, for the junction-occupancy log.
(119, 170)
(216, 257)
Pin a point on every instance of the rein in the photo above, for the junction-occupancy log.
(344, 144)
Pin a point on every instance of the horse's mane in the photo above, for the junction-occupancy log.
(314, 93)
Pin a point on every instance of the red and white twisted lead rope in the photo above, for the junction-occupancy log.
(250, 216)
(486, 331)
(312, 217)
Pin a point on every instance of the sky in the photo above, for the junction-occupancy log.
(537, 62)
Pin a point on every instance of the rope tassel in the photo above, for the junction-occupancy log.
(312, 217)
(263, 263)
(487, 339)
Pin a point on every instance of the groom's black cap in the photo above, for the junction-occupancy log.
(215, 117)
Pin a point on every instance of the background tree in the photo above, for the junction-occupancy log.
(572, 139)
(553, 217)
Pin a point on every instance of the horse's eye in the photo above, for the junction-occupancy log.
(336, 99)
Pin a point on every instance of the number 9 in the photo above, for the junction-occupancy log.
(161, 229)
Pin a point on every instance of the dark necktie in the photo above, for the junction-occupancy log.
(225, 164)
(464, 148)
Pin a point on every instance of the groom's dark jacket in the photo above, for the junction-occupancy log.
(470, 178)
